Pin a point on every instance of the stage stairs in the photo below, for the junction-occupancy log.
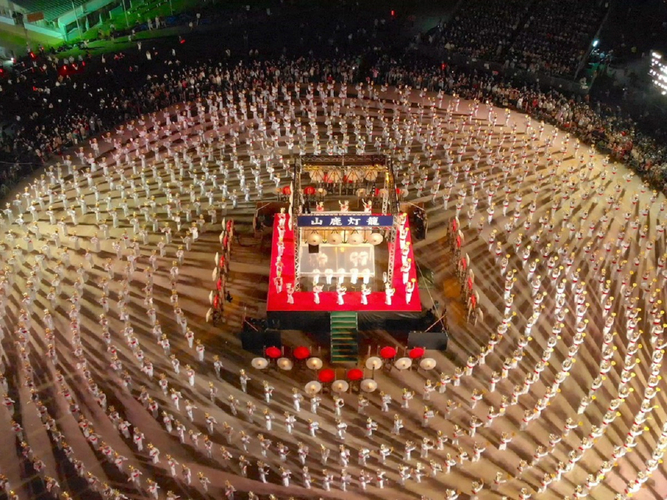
(344, 342)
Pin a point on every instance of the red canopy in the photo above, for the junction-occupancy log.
(416, 352)
(301, 352)
(355, 374)
(327, 375)
(273, 352)
(388, 352)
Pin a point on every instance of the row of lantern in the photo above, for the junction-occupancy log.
(277, 355)
(219, 274)
(387, 356)
(336, 237)
(343, 175)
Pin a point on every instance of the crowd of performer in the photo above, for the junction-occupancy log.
(126, 386)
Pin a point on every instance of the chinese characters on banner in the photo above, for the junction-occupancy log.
(347, 220)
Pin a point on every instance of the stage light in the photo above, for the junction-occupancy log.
(658, 72)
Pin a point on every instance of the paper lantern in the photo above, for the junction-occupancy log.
(403, 363)
(335, 238)
(327, 375)
(287, 190)
(355, 374)
(301, 352)
(416, 352)
(374, 363)
(309, 190)
(340, 386)
(259, 363)
(314, 238)
(313, 387)
(285, 364)
(388, 352)
(355, 238)
(273, 352)
(314, 363)
(368, 385)
(376, 238)
(427, 364)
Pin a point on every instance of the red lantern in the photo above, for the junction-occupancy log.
(273, 352)
(309, 190)
(301, 353)
(355, 374)
(327, 375)
(416, 352)
(287, 190)
(388, 352)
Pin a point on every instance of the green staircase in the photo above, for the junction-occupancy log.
(344, 343)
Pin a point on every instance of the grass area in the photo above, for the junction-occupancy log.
(98, 35)
(12, 40)
(120, 44)
(140, 14)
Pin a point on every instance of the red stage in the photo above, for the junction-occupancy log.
(303, 301)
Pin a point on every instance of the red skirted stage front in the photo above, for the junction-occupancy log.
(304, 301)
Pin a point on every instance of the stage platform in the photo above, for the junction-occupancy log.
(304, 303)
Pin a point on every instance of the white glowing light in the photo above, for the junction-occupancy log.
(658, 72)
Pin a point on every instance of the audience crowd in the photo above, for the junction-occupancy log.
(544, 36)
(555, 38)
(482, 29)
